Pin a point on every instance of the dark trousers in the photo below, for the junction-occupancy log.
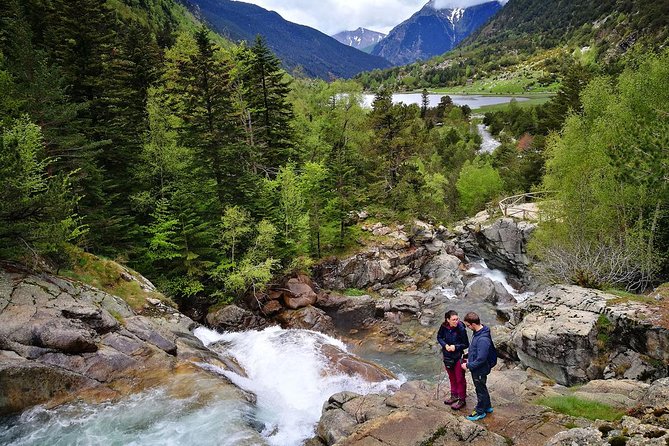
(482, 394)
(456, 376)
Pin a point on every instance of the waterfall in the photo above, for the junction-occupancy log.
(480, 268)
(290, 377)
(285, 369)
(155, 417)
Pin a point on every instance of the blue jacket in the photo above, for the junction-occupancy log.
(477, 361)
(453, 336)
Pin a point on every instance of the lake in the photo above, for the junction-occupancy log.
(472, 100)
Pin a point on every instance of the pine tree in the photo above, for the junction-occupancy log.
(269, 115)
(36, 209)
(197, 85)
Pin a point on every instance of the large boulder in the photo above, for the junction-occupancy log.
(234, 318)
(343, 362)
(502, 243)
(308, 318)
(560, 342)
(410, 416)
(59, 338)
(574, 335)
(299, 293)
(350, 311)
(444, 270)
(482, 289)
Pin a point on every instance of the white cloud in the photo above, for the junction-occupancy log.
(444, 4)
(332, 16)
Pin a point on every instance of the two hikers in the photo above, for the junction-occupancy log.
(482, 356)
(452, 337)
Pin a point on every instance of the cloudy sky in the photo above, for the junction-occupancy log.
(332, 16)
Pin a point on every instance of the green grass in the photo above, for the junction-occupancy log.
(534, 100)
(582, 408)
(354, 292)
(106, 275)
(624, 296)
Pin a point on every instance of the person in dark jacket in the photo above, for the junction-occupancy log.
(477, 364)
(452, 337)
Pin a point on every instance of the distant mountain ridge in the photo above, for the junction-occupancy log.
(611, 25)
(317, 54)
(432, 31)
(361, 38)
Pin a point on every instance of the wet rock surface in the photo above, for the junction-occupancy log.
(502, 242)
(575, 335)
(59, 338)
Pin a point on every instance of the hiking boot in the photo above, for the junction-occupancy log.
(476, 416)
(489, 410)
(451, 400)
(458, 404)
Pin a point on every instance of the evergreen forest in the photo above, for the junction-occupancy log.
(130, 131)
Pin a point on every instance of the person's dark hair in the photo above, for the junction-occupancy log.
(472, 318)
(450, 313)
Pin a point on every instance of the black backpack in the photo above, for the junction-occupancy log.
(492, 355)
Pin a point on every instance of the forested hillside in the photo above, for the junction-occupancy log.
(206, 168)
(532, 42)
(128, 132)
(300, 48)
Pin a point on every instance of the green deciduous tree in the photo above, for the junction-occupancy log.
(36, 209)
(609, 170)
(477, 184)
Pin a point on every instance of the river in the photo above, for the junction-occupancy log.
(488, 142)
(285, 370)
(474, 101)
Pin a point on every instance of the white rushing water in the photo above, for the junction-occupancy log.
(480, 268)
(285, 370)
(289, 376)
(488, 143)
(155, 418)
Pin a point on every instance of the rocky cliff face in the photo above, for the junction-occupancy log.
(574, 335)
(60, 339)
(432, 31)
(501, 242)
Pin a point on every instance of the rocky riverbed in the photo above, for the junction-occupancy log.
(61, 340)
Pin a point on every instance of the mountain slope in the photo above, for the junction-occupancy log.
(549, 23)
(361, 38)
(432, 31)
(317, 54)
(529, 43)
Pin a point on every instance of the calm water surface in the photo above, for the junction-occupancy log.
(472, 100)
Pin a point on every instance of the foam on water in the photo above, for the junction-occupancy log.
(481, 269)
(289, 376)
(150, 418)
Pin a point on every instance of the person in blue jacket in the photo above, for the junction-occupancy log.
(452, 337)
(478, 365)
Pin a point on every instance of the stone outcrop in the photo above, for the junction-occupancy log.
(308, 318)
(234, 318)
(373, 268)
(410, 416)
(484, 289)
(654, 405)
(444, 270)
(59, 338)
(502, 243)
(349, 312)
(575, 335)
